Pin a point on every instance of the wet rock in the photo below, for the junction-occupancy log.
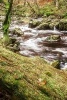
(13, 45)
(43, 26)
(12, 40)
(51, 17)
(34, 23)
(16, 47)
(17, 31)
(52, 24)
(49, 23)
(53, 38)
(63, 24)
(52, 21)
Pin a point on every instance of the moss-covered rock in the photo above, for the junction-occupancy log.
(63, 24)
(13, 45)
(53, 38)
(17, 31)
(34, 23)
(43, 26)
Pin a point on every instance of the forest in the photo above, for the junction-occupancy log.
(33, 49)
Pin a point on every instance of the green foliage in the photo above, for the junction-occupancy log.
(1, 1)
(65, 15)
(46, 10)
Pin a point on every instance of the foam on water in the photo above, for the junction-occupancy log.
(62, 50)
(31, 44)
(63, 66)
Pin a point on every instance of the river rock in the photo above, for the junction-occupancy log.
(63, 24)
(17, 31)
(43, 26)
(53, 38)
(34, 23)
(14, 44)
(54, 22)
(14, 47)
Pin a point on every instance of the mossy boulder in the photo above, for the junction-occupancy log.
(13, 45)
(52, 25)
(43, 26)
(53, 38)
(34, 23)
(63, 24)
(17, 31)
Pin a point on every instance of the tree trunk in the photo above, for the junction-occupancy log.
(57, 4)
(7, 23)
(25, 2)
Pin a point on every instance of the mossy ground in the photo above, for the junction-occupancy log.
(31, 78)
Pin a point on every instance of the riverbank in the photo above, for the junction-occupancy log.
(31, 78)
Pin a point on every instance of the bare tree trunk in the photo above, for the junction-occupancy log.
(57, 4)
(25, 2)
(36, 3)
(32, 9)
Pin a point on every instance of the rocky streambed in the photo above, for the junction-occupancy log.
(49, 44)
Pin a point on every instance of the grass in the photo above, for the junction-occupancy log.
(20, 76)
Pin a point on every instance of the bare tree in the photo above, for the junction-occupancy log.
(25, 2)
(57, 4)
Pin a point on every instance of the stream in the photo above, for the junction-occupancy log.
(32, 43)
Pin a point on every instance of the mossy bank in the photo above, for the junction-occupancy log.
(31, 78)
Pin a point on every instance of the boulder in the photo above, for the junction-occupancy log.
(54, 22)
(17, 31)
(13, 45)
(34, 23)
(43, 26)
(63, 24)
(12, 40)
(54, 38)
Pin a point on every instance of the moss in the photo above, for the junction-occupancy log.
(49, 74)
(34, 23)
(20, 76)
(43, 26)
(55, 64)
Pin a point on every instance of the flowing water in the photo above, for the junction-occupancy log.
(32, 43)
